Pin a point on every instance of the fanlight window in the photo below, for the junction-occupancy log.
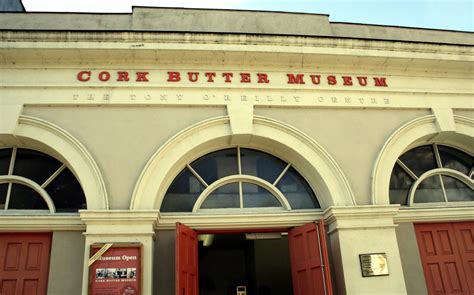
(35, 181)
(238, 178)
(432, 174)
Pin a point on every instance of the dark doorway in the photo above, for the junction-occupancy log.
(261, 262)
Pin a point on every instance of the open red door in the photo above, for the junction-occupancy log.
(186, 261)
(309, 260)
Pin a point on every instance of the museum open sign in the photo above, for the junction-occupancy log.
(117, 271)
(225, 77)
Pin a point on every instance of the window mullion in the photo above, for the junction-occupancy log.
(241, 195)
(407, 170)
(12, 161)
(239, 161)
(7, 200)
(197, 175)
(437, 156)
(443, 189)
(53, 176)
(281, 174)
(10, 172)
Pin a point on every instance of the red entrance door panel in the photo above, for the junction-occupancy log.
(464, 232)
(309, 260)
(441, 259)
(186, 261)
(24, 263)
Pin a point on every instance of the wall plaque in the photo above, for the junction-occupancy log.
(374, 264)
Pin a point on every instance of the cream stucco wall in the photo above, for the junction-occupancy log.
(66, 263)
(123, 139)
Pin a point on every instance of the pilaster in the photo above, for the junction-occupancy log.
(363, 230)
(121, 226)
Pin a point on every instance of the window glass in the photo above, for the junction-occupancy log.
(420, 159)
(255, 196)
(400, 183)
(429, 191)
(183, 193)
(35, 165)
(216, 165)
(297, 190)
(23, 197)
(5, 158)
(3, 195)
(456, 190)
(454, 159)
(226, 196)
(261, 164)
(66, 192)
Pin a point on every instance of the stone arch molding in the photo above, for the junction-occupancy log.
(268, 135)
(423, 130)
(44, 136)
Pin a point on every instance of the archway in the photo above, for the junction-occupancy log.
(46, 137)
(313, 161)
(419, 131)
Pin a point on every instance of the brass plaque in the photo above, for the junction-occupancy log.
(374, 264)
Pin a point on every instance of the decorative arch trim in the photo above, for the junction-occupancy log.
(244, 178)
(422, 130)
(74, 154)
(31, 184)
(310, 159)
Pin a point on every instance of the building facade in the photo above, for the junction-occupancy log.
(227, 148)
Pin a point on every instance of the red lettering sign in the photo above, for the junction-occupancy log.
(380, 82)
(174, 77)
(227, 77)
(117, 271)
(84, 76)
(298, 79)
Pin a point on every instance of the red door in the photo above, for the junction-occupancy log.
(186, 261)
(309, 260)
(24, 263)
(445, 250)
(464, 232)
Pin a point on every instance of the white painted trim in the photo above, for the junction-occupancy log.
(423, 130)
(241, 178)
(310, 159)
(250, 219)
(14, 221)
(435, 214)
(439, 171)
(59, 142)
(31, 184)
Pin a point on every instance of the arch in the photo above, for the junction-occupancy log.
(46, 137)
(423, 130)
(439, 171)
(282, 140)
(244, 178)
(31, 184)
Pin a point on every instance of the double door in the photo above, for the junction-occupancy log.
(447, 256)
(308, 255)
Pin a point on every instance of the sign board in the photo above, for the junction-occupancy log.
(373, 264)
(117, 271)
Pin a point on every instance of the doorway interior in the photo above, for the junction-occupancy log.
(258, 261)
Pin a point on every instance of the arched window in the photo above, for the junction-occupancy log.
(432, 174)
(238, 178)
(32, 180)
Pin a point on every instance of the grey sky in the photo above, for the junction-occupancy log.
(437, 14)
